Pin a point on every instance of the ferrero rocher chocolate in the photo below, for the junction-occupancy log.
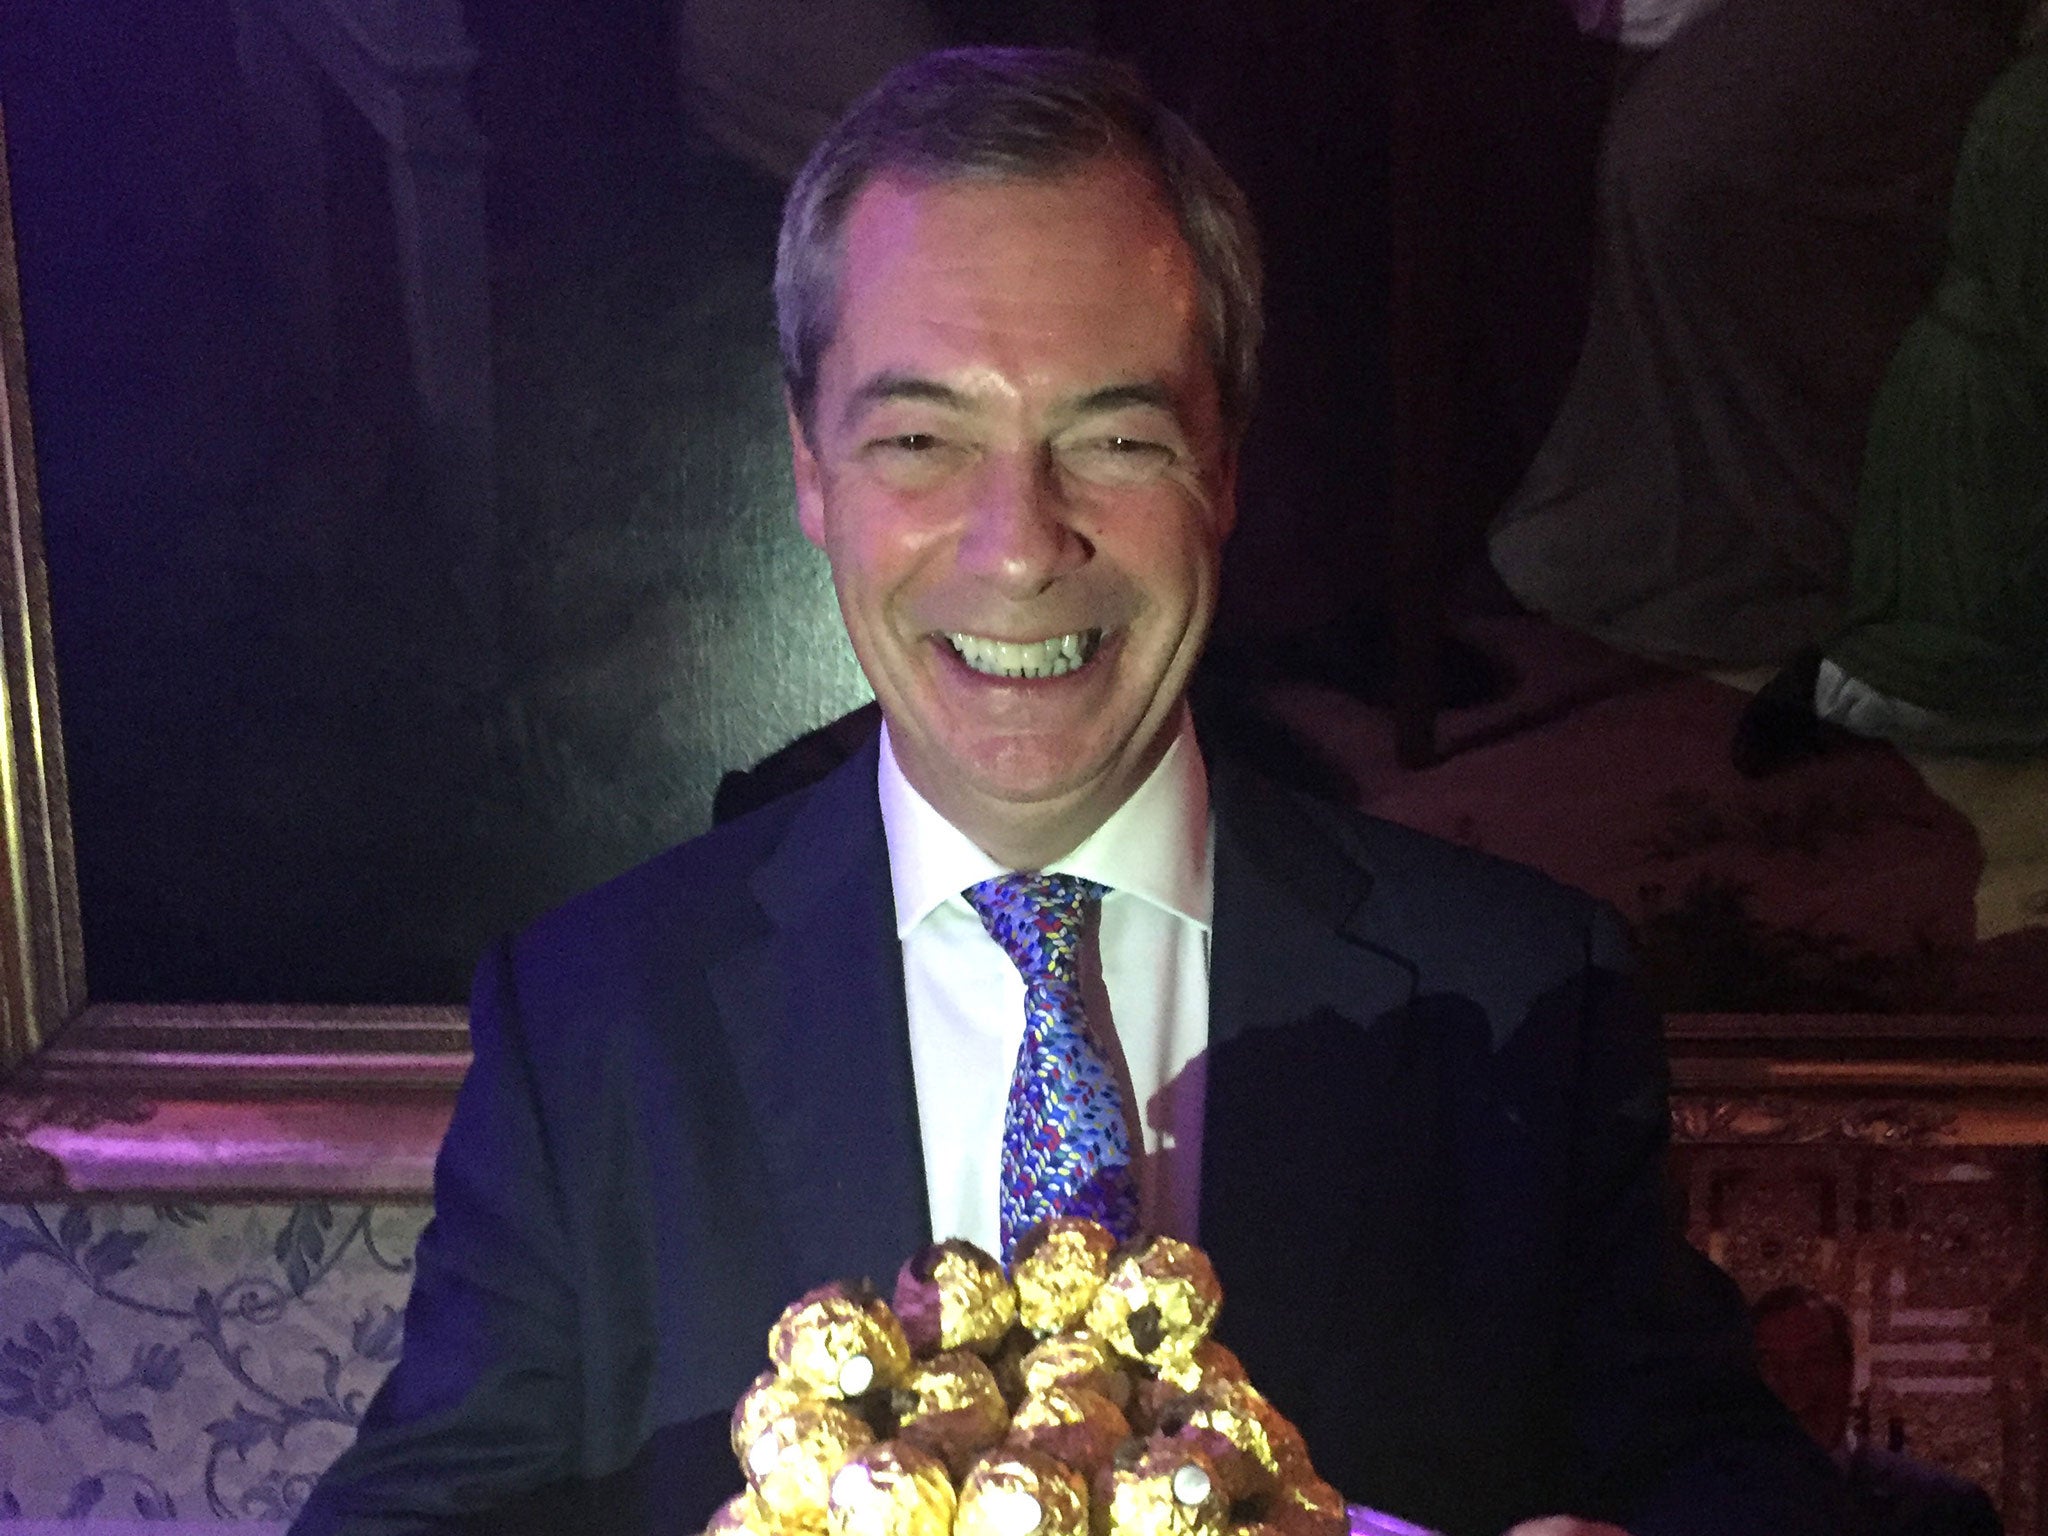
(1209, 1362)
(1057, 1268)
(1012, 1492)
(770, 1397)
(1176, 1378)
(1008, 1363)
(1023, 1393)
(1077, 1359)
(1158, 1302)
(742, 1515)
(791, 1462)
(839, 1340)
(1307, 1508)
(1290, 1451)
(954, 1296)
(1080, 1427)
(1160, 1487)
(891, 1489)
(951, 1406)
(1230, 1423)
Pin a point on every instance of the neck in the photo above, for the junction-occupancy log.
(1033, 834)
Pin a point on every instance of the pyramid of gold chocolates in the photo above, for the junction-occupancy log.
(1078, 1395)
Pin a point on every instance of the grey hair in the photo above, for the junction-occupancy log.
(1001, 114)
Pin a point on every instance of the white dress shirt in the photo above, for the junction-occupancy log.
(1145, 986)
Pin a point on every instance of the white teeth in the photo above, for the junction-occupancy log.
(1030, 658)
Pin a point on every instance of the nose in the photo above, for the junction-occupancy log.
(1019, 534)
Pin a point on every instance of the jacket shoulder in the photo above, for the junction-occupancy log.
(663, 921)
(1433, 883)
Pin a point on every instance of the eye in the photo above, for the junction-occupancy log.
(910, 460)
(1119, 459)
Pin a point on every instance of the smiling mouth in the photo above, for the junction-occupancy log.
(1026, 658)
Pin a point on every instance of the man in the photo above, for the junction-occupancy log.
(1807, 1356)
(1400, 1092)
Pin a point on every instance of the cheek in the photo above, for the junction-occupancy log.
(874, 557)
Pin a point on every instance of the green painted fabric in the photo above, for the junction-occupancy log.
(1949, 574)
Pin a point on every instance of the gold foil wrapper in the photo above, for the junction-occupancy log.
(839, 1341)
(951, 1406)
(1080, 1427)
(1014, 1492)
(790, 1463)
(1160, 1487)
(771, 1397)
(1057, 1268)
(954, 1296)
(1233, 1426)
(1290, 1450)
(890, 1489)
(1076, 1359)
(1175, 1378)
(742, 1515)
(1209, 1362)
(1310, 1507)
(1158, 1303)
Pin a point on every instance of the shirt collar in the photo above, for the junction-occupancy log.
(1155, 846)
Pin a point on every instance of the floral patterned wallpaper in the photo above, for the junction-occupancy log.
(188, 1363)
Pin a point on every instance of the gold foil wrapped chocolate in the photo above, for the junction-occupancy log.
(891, 1489)
(1158, 1302)
(1076, 1359)
(1080, 1427)
(839, 1340)
(1235, 1428)
(1160, 1487)
(1310, 1507)
(771, 1397)
(742, 1515)
(1057, 1268)
(954, 1296)
(951, 1406)
(1176, 1377)
(1022, 1392)
(790, 1463)
(1011, 1492)
(1209, 1362)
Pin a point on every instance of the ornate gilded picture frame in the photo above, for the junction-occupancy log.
(124, 1100)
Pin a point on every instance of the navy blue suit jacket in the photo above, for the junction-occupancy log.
(1890, 1494)
(1431, 1185)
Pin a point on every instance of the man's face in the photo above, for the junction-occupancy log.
(1801, 1360)
(1016, 466)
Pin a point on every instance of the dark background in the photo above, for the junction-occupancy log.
(302, 767)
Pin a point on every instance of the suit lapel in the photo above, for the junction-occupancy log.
(814, 1010)
(1293, 929)
(1326, 1174)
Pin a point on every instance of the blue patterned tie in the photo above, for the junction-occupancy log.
(1066, 1149)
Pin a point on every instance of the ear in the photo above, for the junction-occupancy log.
(1226, 487)
(810, 478)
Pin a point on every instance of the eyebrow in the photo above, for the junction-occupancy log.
(888, 387)
(1123, 397)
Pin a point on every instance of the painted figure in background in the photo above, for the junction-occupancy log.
(1406, 1096)
(1773, 189)
(1808, 1356)
(1945, 647)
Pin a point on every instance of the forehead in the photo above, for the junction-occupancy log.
(1089, 264)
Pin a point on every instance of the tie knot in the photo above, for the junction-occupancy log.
(1037, 919)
